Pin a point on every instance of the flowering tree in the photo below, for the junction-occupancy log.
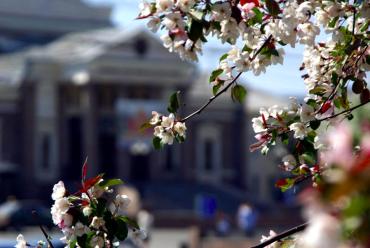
(91, 217)
(337, 205)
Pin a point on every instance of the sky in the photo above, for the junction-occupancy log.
(282, 80)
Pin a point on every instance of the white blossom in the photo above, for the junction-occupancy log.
(163, 5)
(67, 220)
(21, 242)
(289, 162)
(145, 8)
(307, 33)
(299, 129)
(80, 229)
(306, 113)
(58, 191)
(258, 125)
(167, 122)
(180, 128)
(87, 211)
(229, 31)
(242, 62)
(155, 118)
(154, 24)
(167, 137)
(173, 20)
(265, 238)
(97, 241)
(158, 131)
(185, 5)
(221, 11)
(97, 222)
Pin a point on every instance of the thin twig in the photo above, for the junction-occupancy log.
(227, 86)
(282, 235)
(47, 237)
(212, 98)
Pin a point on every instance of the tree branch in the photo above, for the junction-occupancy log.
(47, 237)
(344, 111)
(282, 235)
(212, 98)
(227, 86)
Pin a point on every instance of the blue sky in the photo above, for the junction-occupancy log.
(283, 80)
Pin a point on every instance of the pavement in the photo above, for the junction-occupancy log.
(159, 238)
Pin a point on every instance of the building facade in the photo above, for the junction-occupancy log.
(86, 95)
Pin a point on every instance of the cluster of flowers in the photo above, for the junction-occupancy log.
(92, 217)
(263, 27)
(340, 203)
(329, 69)
(167, 129)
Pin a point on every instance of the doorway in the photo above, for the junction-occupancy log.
(139, 165)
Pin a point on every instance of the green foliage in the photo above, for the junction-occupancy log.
(110, 183)
(215, 74)
(157, 144)
(272, 7)
(174, 102)
(238, 93)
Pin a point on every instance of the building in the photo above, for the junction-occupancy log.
(38, 22)
(84, 93)
(87, 94)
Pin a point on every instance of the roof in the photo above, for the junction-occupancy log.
(64, 9)
(84, 46)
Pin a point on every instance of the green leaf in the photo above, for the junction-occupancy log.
(308, 158)
(196, 30)
(238, 93)
(333, 22)
(101, 206)
(174, 102)
(315, 124)
(72, 243)
(121, 229)
(365, 26)
(258, 17)
(110, 183)
(132, 223)
(145, 126)
(216, 88)
(215, 74)
(157, 144)
(223, 57)
(272, 7)
(196, 14)
(317, 90)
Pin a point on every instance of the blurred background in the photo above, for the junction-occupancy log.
(78, 78)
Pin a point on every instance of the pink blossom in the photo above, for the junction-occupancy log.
(340, 147)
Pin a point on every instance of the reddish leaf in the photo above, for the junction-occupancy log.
(84, 171)
(90, 182)
(325, 107)
(256, 2)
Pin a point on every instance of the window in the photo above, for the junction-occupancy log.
(208, 155)
(45, 151)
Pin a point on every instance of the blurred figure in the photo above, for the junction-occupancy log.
(222, 224)
(10, 206)
(246, 219)
(145, 220)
